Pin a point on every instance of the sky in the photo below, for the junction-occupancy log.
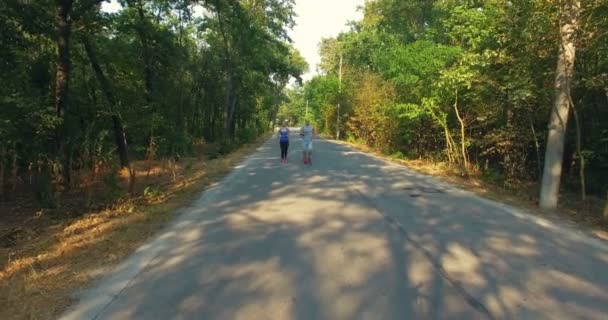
(316, 19)
(321, 19)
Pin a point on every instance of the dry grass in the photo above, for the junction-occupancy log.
(53, 259)
(523, 195)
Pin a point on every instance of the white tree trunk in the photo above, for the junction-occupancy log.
(559, 114)
(463, 147)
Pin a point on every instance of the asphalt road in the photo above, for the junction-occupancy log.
(352, 237)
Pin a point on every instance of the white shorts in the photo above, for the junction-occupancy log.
(307, 145)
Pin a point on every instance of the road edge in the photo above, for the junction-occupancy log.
(559, 227)
(93, 301)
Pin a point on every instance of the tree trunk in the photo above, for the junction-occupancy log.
(559, 114)
(536, 147)
(229, 106)
(606, 208)
(143, 38)
(581, 157)
(449, 146)
(62, 81)
(233, 110)
(465, 158)
(140, 29)
(230, 102)
(118, 129)
(3, 161)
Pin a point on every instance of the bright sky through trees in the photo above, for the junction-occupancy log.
(316, 19)
(321, 19)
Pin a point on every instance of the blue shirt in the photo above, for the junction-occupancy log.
(284, 135)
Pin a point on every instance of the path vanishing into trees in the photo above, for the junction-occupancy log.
(352, 237)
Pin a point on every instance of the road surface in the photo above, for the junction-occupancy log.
(352, 237)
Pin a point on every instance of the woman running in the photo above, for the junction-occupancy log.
(284, 141)
(307, 133)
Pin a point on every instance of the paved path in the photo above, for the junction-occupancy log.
(352, 237)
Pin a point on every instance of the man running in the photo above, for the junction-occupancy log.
(307, 132)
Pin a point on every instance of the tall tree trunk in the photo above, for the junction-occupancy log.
(233, 110)
(463, 147)
(581, 157)
(140, 29)
(606, 208)
(275, 105)
(558, 121)
(3, 161)
(118, 129)
(449, 144)
(536, 147)
(231, 83)
(143, 38)
(62, 81)
(230, 105)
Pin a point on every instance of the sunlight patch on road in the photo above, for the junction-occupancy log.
(345, 263)
(462, 264)
(507, 245)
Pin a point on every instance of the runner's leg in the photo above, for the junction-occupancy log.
(283, 150)
(310, 152)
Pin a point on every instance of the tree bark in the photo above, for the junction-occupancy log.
(536, 147)
(3, 160)
(62, 81)
(143, 38)
(606, 208)
(118, 129)
(465, 158)
(231, 84)
(581, 157)
(559, 114)
(230, 105)
(449, 145)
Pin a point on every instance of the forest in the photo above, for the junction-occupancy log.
(512, 91)
(83, 89)
(111, 123)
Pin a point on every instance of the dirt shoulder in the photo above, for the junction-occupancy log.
(46, 256)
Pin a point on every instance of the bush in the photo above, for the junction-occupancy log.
(398, 155)
(246, 135)
(153, 194)
(43, 189)
(493, 176)
(112, 187)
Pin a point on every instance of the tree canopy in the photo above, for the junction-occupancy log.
(472, 83)
(81, 86)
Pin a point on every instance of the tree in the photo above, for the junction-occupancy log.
(569, 24)
(470, 83)
(110, 103)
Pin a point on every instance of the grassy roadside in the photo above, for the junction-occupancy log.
(572, 210)
(57, 257)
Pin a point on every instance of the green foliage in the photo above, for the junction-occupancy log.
(493, 176)
(418, 75)
(170, 79)
(112, 185)
(43, 189)
(246, 135)
(153, 193)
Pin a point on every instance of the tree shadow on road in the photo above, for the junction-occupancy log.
(363, 241)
